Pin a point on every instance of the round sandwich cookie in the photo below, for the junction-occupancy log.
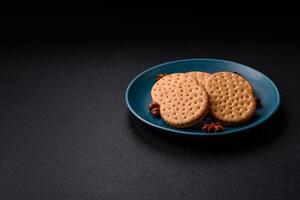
(199, 76)
(231, 98)
(168, 83)
(184, 105)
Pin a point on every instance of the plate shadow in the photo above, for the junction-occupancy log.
(243, 142)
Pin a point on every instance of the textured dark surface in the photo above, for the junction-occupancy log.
(65, 131)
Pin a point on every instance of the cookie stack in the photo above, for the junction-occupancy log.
(186, 98)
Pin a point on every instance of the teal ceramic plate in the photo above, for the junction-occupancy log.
(138, 93)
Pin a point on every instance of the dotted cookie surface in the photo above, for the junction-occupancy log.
(184, 105)
(231, 97)
(199, 76)
(168, 83)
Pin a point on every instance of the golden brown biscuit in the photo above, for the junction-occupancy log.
(199, 76)
(231, 97)
(168, 83)
(184, 105)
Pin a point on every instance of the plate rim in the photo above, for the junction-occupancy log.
(182, 132)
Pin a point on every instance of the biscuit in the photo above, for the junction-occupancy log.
(184, 105)
(199, 76)
(168, 83)
(231, 98)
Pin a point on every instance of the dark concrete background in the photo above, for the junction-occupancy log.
(66, 133)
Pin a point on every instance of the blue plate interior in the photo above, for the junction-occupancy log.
(138, 92)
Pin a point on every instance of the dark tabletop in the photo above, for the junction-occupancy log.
(66, 133)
